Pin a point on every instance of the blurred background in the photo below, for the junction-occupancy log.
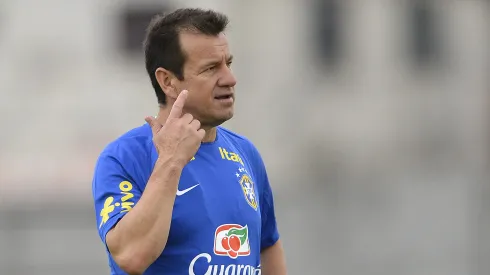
(371, 115)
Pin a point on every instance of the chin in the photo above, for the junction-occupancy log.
(218, 120)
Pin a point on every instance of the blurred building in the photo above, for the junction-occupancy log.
(372, 117)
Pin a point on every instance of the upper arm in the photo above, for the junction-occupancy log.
(271, 251)
(269, 231)
(114, 191)
(273, 261)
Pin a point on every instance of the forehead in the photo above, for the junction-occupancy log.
(200, 48)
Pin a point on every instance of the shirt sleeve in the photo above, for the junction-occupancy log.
(270, 233)
(115, 193)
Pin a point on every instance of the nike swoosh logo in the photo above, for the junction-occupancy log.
(180, 193)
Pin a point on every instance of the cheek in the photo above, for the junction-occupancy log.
(201, 89)
(205, 89)
(201, 98)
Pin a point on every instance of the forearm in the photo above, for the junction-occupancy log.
(141, 235)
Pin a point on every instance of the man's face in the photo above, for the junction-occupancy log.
(208, 78)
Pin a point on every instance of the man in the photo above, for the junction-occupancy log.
(181, 194)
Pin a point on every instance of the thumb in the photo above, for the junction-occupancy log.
(154, 124)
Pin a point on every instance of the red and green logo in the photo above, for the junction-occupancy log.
(231, 240)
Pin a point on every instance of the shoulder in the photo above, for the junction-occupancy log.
(237, 139)
(133, 146)
(243, 143)
(127, 157)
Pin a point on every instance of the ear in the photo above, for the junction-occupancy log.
(167, 81)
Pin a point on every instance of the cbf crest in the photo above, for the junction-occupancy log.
(248, 187)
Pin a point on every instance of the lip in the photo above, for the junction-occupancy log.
(224, 96)
(226, 100)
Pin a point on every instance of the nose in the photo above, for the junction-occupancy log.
(227, 79)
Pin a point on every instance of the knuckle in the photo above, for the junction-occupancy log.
(188, 116)
(180, 123)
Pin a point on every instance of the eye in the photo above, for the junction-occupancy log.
(210, 69)
(228, 64)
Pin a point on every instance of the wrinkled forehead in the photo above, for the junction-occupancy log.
(201, 48)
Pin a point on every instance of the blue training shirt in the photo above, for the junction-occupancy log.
(223, 214)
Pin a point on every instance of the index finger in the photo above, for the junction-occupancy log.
(176, 111)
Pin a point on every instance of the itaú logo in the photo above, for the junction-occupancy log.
(231, 269)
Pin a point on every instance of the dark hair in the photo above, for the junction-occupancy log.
(162, 47)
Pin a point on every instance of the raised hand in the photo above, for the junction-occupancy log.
(180, 137)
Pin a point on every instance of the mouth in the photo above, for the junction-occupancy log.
(224, 97)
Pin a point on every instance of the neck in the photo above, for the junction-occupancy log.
(210, 135)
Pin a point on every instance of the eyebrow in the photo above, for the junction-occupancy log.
(215, 62)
